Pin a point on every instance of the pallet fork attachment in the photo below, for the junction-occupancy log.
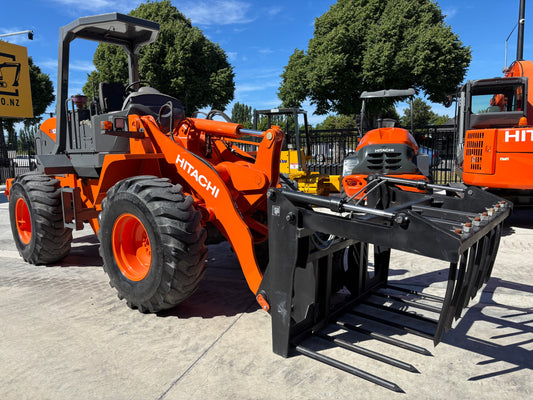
(319, 268)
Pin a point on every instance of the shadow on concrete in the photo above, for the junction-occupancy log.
(84, 253)
(510, 335)
(521, 217)
(222, 292)
(504, 343)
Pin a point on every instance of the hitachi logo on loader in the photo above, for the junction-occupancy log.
(201, 179)
(524, 135)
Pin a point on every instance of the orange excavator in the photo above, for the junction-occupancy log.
(157, 187)
(387, 150)
(495, 129)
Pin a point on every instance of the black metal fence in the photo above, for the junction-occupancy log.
(440, 143)
(327, 149)
(16, 160)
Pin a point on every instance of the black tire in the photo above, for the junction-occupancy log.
(173, 265)
(36, 218)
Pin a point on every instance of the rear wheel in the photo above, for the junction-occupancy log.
(152, 243)
(36, 219)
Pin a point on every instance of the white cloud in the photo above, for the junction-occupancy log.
(232, 55)
(273, 11)
(201, 12)
(77, 65)
(260, 74)
(217, 12)
(48, 64)
(83, 66)
(449, 13)
(252, 88)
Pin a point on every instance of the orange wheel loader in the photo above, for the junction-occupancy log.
(157, 187)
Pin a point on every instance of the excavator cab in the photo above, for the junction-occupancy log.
(486, 105)
(494, 144)
(494, 119)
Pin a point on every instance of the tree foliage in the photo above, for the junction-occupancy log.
(182, 62)
(422, 115)
(284, 122)
(242, 114)
(26, 138)
(332, 122)
(42, 93)
(371, 45)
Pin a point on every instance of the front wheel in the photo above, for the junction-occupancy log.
(152, 243)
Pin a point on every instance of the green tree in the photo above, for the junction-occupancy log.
(42, 93)
(26, 138)
(182, 62)
(338, 122)
(373, 45)
(242, 114)
(278, 120)
(422, 115)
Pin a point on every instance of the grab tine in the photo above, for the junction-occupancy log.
(384, 338)
(348, 368)
(439, 330)
(368, 353)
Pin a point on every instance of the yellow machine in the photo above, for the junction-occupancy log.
(293, 162)
(308, 182)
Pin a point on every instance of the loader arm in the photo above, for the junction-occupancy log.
(212, 189)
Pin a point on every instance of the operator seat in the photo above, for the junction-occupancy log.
(148, 101)
(111, 95)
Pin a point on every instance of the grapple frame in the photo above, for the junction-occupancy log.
(311, 281)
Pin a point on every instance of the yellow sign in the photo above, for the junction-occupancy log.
(15, 89)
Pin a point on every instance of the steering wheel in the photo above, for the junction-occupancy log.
(130, 88)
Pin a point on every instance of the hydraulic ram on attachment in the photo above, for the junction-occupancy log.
(319, 263)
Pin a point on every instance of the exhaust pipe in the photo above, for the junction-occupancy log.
(521, 22)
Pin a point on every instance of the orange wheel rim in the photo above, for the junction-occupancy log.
(131, 247)
(23, 220)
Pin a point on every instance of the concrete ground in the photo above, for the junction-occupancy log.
(65, 335)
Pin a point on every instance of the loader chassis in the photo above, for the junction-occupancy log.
(157, 187)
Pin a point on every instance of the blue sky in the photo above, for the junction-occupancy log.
(258, 36)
